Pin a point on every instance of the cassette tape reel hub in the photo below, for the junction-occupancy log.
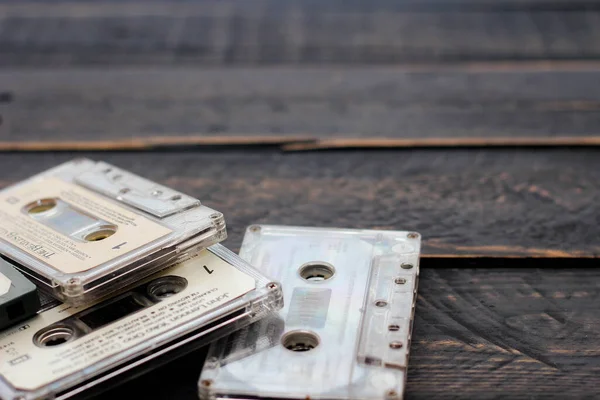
(85, 229)
(75, 349)
(345, 329)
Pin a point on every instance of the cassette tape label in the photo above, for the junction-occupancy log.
(67, 339)
(45, 219)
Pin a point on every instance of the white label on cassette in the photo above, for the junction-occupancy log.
(212, 282)
(48, 219)
(5, 284)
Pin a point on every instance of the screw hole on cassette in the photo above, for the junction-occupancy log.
(54, 336)
(316, 271)
(124, 190)
(381, 303)
(394, 328)
(300, 341)
(406, 266)
(117, 177)
(107, 170)
(74, 281)
(100, 234)
(400, 281)
(391, 394)
(413, 235)
(40, 206)
(254, 228)
(396, 345)
(166, 286)
(272, 285)
(215, 216)
(176, 197)
(207, 382)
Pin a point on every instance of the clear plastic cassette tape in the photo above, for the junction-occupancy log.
(345, 329)
(66, 350)
(84, 229)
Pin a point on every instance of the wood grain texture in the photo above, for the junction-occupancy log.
(294, 32)
(505, 333)
(505, 308)
(479, 333)
(133, 104)
(294, 144)
(500, 203)
(438, 143)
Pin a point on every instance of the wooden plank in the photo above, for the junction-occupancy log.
(505, 332)
(291, 144)
(268, 32)
(141, 105)
(161, 143)
(479, 333)
(389, 143)
(485, 203)
(39, 7)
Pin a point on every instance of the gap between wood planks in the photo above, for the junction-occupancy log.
(298, 143)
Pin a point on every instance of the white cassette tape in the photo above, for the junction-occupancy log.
(84, 229)
(345, 329)
(67, 350)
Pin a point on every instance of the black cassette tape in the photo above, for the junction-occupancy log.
(18, 296)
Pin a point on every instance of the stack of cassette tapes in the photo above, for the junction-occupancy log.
(345, 329)
(105, 274)
(127, 271)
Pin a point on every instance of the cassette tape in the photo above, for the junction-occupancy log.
(345, 329)
(84, 229)
(18, 296)
(66, 350)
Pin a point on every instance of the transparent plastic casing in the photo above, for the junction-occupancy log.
(191, 227)
(345, 329)
(125, 349)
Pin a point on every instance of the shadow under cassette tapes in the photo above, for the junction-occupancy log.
(84, 229)
(65, 350)
(345, 329)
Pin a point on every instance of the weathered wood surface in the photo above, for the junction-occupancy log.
(506, 308)
(91, 108)
(501, 203)
(479, 333)
(295, 32)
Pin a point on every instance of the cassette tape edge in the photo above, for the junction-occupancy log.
(380, 354)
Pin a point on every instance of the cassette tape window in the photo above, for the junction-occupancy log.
(345, 329)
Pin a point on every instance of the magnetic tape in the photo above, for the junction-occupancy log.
(18, 296)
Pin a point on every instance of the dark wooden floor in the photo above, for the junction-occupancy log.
(474, 122)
